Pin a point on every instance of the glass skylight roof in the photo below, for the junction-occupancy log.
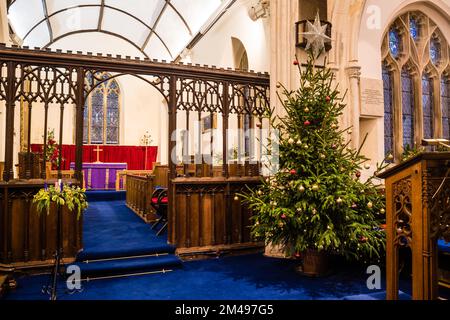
(159, 29)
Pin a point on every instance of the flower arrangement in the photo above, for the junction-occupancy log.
(52, 152)
(73, 197)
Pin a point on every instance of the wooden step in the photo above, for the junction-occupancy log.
(3, 284)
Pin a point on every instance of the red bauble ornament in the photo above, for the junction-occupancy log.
(328, 98)
(296, 63)
(293, 171)
(297, 255)
(283, 216)
(364, 239)
(307, 123)
(358, 174)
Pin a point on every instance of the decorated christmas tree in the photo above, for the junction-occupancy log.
(316, 200)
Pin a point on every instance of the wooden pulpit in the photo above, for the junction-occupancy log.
(417, 215)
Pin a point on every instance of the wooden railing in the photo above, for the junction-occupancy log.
(28, 238)
(121, 177)
(139, 192)
(206, 214)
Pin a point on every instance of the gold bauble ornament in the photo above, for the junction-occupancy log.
(339, 200)
(370, 205)
(322, 156)
(382, 211)
(299, 142)
(306, 109)
(236, 198)
(315, 187)
(302, 189)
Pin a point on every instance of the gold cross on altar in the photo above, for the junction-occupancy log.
(98, 154)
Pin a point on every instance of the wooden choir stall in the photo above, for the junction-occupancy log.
(418, 215)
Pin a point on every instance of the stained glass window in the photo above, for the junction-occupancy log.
(445, 100)
(435, 50)
(102, 113)
(414, 28)
(394, 42)
(388, 114)
(427, 102)
(408, 109)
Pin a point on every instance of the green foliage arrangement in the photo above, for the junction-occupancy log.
(410, 152)
(72, 196)
(316, 200)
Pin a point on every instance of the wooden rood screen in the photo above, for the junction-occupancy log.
(203, 104)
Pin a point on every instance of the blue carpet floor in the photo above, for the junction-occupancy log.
(250, 277)
(111, 231)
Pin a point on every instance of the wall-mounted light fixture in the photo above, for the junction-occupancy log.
(301, 27)
(260, 10)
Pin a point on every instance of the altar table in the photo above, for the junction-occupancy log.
(100, 176)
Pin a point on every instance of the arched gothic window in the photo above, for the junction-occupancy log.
(413, 70)
(102, 113)
(427, 105)
(445, 101)
(388, 112)
(408, 109)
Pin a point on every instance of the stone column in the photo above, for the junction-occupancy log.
(354, 101)
(283, 16)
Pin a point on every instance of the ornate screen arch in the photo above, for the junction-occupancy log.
(416, 64)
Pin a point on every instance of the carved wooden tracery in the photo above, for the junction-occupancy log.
(402, 213)
(42, 76)
(436, 190)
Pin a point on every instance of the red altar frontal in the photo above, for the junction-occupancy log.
(136, 157)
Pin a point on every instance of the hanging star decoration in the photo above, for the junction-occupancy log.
(316, 35)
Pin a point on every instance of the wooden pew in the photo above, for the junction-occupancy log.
(28, 238)
(138, 197)
(206, 215)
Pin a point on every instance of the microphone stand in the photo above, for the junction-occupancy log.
(51, 289)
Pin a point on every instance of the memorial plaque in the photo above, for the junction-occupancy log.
(372, 97)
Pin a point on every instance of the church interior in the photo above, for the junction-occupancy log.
(175, 149)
